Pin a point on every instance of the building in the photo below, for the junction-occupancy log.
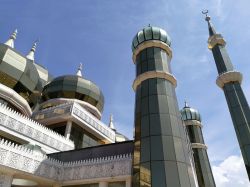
(52, 134)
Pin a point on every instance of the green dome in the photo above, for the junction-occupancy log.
(188, 113)
(18, 73)
(150, 33)
(74, 87)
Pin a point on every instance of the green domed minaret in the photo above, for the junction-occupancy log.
(192, 120)
(162, 155)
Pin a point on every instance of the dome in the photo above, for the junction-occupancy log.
(150, 33)
(188, 113)
(74, 87)
(18, 73)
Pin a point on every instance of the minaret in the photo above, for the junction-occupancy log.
(192, 120)
(162, 152)
(31, 54)
(229, 81)
(10, 41)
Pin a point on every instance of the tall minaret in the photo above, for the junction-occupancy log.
(229, 81)
(162, 151)
(192, 120)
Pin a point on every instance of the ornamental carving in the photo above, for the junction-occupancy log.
(24, 159)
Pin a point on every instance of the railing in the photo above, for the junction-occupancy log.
(76, 110)
(36, 163)
(25, 126)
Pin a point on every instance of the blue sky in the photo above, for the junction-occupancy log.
(99, 34)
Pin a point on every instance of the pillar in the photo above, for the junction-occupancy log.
(5, 180)
(103, 184)
(128, 182)
(68, 129)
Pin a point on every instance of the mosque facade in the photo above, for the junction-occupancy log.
(52, 135)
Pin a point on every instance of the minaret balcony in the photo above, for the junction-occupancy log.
(214, 40)
(230, 76)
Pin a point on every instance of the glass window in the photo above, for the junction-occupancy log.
(158, 174)
(150, 53)
(152, 86)
(153, 104)
(172, 175)
(155, 125)
(145, 126)
(145, 149)
(156, 148)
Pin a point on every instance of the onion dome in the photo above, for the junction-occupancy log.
(188, 113)
(74, 87)
(17, 73)
(150, 33)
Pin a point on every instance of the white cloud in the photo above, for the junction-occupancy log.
(231, 173)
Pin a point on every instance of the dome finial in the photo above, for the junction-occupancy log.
(186, 104)
(79, 71)
(210, 26)
(31, 54)
(10, 41)
(111, 123)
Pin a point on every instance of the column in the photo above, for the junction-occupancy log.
(103, 184)
(68, 129)
(5, 180)
(128, 182)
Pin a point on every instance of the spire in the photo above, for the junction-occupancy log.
(210, 26)
(186, 105)
(10, 41)
(31, 54)
(79, 71)
(111, 123)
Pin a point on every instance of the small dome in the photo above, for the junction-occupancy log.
(150, 33)
(74, 87)
(188, 113)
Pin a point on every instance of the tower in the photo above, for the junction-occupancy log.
(229, 81)
(192, 120)
(161, 147)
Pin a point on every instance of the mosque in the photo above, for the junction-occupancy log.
(52, 135)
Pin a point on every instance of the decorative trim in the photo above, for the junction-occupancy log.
(75, 112)
(59, 101)
(23, 159)
(230, 76)
(91, 121)
(151, 43)
(154, 74)
(214, 40)
(15, 99)
(198, 146)
(193, 122)
(24, 126)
